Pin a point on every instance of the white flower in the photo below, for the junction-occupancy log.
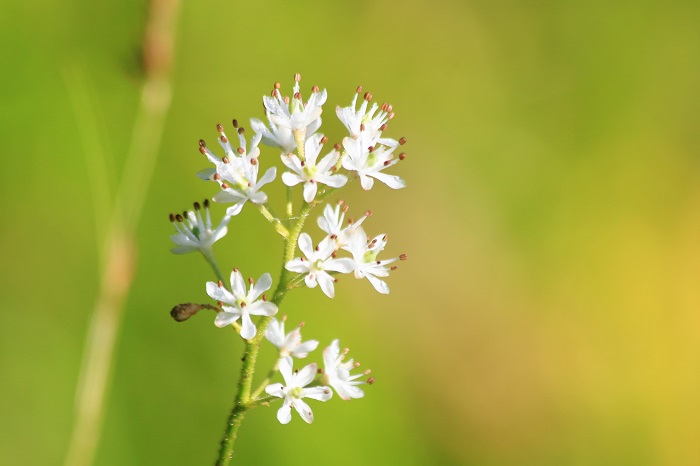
(337, 373)
(331, 222)
(241, 303)
(365, 258)
(369, 157)
(294, 391)
(317, 264)
(290, 344)
(237, 172)
(290, 120)
(357, 121)
(194, 233)
(310, 173)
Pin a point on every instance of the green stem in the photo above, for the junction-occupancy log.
(279, 228)
(243, 398)
(266, 381)
(209, 256)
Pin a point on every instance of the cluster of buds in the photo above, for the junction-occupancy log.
(293, 128)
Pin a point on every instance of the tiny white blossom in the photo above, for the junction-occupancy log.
(362, 120)
(290, 120)
(242, 303)
(289, 344)
(336, 373)
(293, 391)
(237, 172)
(368, 158)
(317, 264)
(365, 257)
(309, 172)
(331, 222)
(195, 233)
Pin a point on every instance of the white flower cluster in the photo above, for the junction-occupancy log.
(293, 128)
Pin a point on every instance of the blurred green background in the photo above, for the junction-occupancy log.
(550, 310)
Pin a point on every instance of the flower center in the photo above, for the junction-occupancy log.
(369, 256)
(296, 392)
(310, 171)
(318, 265)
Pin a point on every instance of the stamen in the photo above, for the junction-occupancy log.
(368, 96)
(206, 203)
(172, 217)
(403, 257)
(324, 139)
(277, 86)
(241, 130)
(402, 141)
(314, 89)
(359, 89)
(197, 206)
(240, 151)
(202, 143)
(250, 280)
(297, 77)
(370, 381)
(235, 123)
(179, 218)
(220, 283)
(402, 156)
(219, 128)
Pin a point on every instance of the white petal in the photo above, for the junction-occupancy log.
(224, 319)
(291, 179)
(247, 327)
(269, 176)
(297, 265)
(310, 189)
(394, 182)
(326, 282)
(262, 285)
(306, 245)
(318, 393)
(303, 410)
(286, 369)
(379, 285)
(366, 182)
(336, 181)
(262, 308)
(219, 293)
(237, 284)
(306, 375)
(310, 280)
(342, 265)
(284, 414)
(275, 389)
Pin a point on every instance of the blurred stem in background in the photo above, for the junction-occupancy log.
(121, 215)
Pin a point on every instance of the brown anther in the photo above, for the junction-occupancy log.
(345, 351)
(324, 139)
(316, 248)
(368, 372)
(389, 108)
(243, 304)
(297, 77)
(206, 203)
(224, 139)
(224, 186)
(359, 89)
(235, 269)
(362, 126)
(240, 151)
(345, 208)
(235, 123)
(403, 257)
(379, 262)
(384, 107)
(301, 324)
(368, 213)
(384, 238)
(284, 318)
(219, 128)
(286, 99)
(219, 303)
(394, 267)
(225, 159)
(334, 254)
(370, 381)
(172, 217)
(250, 184)
(184, 213)
(387, 163)
(196, 206)
(314, 89)
(402, 156)
(371, 148)
(202, 143)
(241, 130)
(336, 146)
(383, 127)
(368, 96)
(335, 280)
(390, 116)
(253, 161)
(303, 163)
(220, 283)
(402, 141)
(334, 236)
(202, 150)
(334, 168)
(319, 371)
(250, 280)
(356, 364)
(179, 218)
(216, 177)
(264, 297)
(351, 221)
(297, 95)
(277, 85)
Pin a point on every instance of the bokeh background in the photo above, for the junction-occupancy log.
(550, 310)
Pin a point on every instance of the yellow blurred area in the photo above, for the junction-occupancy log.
(549, 312)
